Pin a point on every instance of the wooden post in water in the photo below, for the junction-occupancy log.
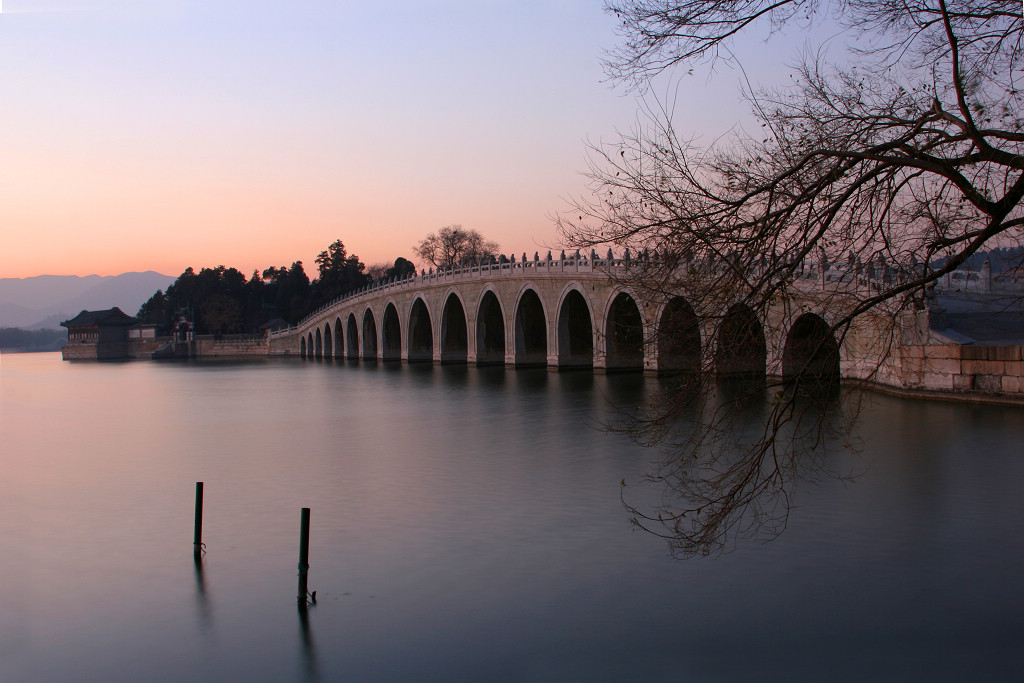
(197, 538)
(303, 557)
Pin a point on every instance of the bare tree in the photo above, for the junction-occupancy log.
(375, 271)
(453, 245)
(401, 268)
(912, 155)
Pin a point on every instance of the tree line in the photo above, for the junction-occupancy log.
(15, 338)
(222, 300)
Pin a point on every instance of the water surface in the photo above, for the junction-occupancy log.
(467, 525)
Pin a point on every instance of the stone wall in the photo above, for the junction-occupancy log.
(144, 348)
(79, 350)
(83, 350)
(229, 348)
(282, 346)
(202, 347)
(964, 368)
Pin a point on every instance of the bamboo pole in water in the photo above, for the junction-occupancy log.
(303, 557)
(197, 537)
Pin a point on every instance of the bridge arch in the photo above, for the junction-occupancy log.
(454, 334)
(318, 345)
(624, 334)
(352, 337)
(575, 329)
(369, 335)
(328, 341)
(679, 345)
(490, 330)
(339, 339)
(530, 329)
(391, 334)
(515, 316)
(421, 337)
(742, 352)
(811, 351)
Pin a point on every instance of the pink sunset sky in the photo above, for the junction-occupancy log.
(139, 135)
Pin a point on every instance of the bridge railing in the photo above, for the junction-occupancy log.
(842, 275)
(509, 267)
(500, 267)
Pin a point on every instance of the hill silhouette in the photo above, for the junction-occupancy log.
(44, 301)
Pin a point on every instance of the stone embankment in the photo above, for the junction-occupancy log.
(964, 369)
(971, 344)
(202, 346)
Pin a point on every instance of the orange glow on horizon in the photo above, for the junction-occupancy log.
(194, 134)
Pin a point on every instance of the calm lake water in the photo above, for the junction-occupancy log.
(467, 526)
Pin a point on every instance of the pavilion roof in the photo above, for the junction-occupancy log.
(109, 318)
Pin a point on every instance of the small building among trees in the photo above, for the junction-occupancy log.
(98, 335)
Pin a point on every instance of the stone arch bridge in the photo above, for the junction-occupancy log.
(571, 313)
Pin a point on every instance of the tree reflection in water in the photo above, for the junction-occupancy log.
(735, 451)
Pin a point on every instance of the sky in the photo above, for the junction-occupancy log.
(141, 135)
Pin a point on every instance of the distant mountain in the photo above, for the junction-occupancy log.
(47, 300)
(13, 315)
(52, 322)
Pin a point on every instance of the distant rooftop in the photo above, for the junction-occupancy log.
(108, 318)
